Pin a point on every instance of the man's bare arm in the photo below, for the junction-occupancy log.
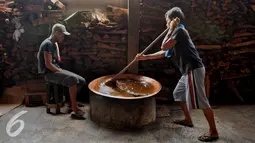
(157, 55)
(48, 62)
(168, 43)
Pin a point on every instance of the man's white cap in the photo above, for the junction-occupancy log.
(60, 28)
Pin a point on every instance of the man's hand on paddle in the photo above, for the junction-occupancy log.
(172, 24)
(140, 57)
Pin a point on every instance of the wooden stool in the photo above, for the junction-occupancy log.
(55, 97)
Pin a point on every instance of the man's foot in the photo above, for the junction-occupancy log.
(184, 123)
(208, 137)
(78, 105)
(74, 109)
(79, 115)
(78, 110)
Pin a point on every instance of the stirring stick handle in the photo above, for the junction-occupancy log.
(123, 70)
(145, 50)
(153, 42)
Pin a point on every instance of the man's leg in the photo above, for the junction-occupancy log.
(69, 80)
(81, 80)
(186, 112)
(180, 96)
(73, 94)
(81, 83)
(210, 119)
(199, 100)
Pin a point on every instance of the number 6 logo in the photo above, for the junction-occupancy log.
(12, 122)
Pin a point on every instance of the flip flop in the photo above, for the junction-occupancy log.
(206, 138)
(78, 116)
(184, 123)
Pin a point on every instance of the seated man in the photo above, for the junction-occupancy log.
(48, 65)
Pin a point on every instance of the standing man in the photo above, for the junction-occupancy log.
(190, 90)
(48, 64)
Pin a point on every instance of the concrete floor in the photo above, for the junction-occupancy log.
(236, 124)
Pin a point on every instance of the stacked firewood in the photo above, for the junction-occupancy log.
(38, 12)
(227, 29)
(98, 44)
(25, 28)
(6, 43)
(217, 21)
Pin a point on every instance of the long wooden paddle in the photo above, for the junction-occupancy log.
(132, 62)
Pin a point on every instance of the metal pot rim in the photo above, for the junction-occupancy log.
(120, 97)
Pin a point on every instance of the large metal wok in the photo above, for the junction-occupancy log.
(107, 107)
(122, 111)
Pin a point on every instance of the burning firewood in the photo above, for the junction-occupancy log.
(117, 10)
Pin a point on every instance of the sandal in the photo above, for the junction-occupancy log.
(207, 138)
(183, 122)
(78, 115)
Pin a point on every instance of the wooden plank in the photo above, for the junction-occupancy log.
(113, 32)
(208, 47)
(247, 43)
(111, 41)
(133, 32)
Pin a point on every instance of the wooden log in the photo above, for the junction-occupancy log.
(243, 51)
(111, 41)
(96, 37)
(209, 47)
(246, 26)
(229, 77)
(158, 19)
(92, 57)
(53, 14)
(41, 21)
(4, 8)
(89, 53)
(243, 34)
(65, 58)
(148, 7)
(158, 4)
(113, 32)
(117, 10)
(105, 46)
(241, 44)
(239, 40)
